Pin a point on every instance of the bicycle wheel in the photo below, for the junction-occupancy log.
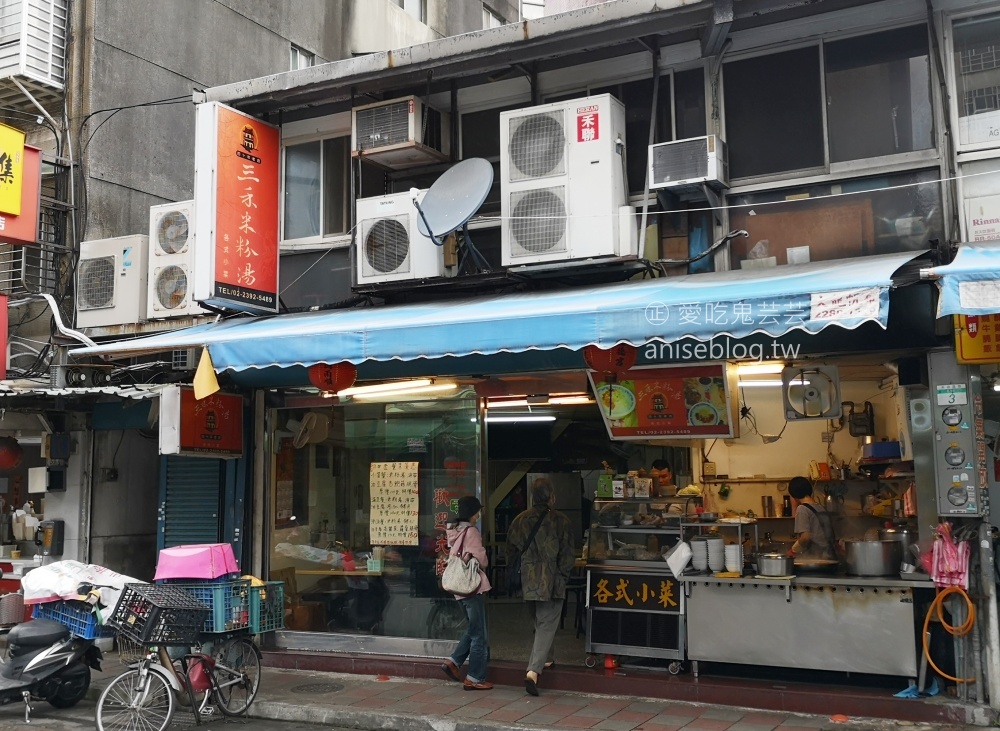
(237, 673)
(135, 701)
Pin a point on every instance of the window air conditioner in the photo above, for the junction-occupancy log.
(111, 282)
(686, 164)
(390, 247)
(400, 133)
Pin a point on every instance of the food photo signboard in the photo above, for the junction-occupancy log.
(668, 402)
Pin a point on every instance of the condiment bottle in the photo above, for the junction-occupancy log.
(786, 506)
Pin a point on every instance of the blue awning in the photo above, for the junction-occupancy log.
(970, 285)
(776, 300)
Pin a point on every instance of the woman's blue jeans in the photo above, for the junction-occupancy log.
(475, 644)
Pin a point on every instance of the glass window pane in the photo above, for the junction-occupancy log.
(336, 185)
(977, 70)
(637, 96)
(879, 94)
(774, 120)
(689, 98)
(884, 215)
(323, 512)
(302, 187)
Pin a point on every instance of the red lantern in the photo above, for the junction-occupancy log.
(10, 453)
(334, 377)
(619, 358)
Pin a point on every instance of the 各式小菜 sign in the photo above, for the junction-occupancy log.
(395, 506)
(668, 402)
(649, 592)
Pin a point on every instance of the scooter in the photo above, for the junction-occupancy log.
(45, 662)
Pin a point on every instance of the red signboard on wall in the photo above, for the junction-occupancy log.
(23, 228)
(208, 427)
(236, 197)
(668, 402)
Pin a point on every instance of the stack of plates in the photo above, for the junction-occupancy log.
(699, 553)
(716, 553)
(734, 558)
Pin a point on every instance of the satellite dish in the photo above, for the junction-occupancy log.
(455, 197)
(452, 200)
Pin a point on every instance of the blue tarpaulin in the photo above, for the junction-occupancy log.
(774, 300)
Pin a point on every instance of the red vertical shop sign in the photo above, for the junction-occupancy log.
(236, 197)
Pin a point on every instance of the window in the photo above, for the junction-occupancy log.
(531, 9)
(882, 215)
(878, 91)
(774, 121)
(977, 79)
(317, 188)
(491, 19)
(878, 103)
(301, 59)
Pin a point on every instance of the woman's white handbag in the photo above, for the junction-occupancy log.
(461, 575)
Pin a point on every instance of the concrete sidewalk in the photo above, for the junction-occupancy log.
(408, 704)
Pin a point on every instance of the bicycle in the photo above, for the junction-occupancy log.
(145, 696)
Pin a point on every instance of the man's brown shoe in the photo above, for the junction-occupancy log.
(469, 685)
(451, 670)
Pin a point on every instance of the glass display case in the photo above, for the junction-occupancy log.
(636, 532)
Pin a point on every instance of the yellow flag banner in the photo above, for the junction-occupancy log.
(205, 382)
(11, 169)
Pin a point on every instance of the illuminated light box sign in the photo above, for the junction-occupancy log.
(208, 427)
(664, 402)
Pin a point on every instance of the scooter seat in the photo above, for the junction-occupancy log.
(36, 633)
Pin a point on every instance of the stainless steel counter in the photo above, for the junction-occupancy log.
(841, 623)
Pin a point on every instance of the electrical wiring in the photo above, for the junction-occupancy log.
(937, 609)
(115, 110)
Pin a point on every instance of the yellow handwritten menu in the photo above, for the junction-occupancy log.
(394, 494)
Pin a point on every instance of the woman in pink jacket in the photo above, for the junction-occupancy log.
(474, 645)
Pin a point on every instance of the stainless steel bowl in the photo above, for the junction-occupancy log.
(774, 564)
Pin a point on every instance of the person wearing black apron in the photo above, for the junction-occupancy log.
(813, 523)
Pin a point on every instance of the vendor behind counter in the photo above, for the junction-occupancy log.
(814, 533)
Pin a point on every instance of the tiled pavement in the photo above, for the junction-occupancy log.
(404, 704)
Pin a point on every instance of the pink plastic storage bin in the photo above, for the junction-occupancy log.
(203, 561)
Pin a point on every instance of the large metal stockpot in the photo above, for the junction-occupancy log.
(874, 558)
(774, 564)
(906, 536)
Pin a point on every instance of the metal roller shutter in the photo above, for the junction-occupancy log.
(190, 501)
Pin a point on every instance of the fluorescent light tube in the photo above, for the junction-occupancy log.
(759, 384)
(432, 388)
(759, 369)
(521, 417)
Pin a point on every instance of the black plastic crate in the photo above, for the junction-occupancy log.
(159, 615)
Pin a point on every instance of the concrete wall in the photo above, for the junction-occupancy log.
(123, 512)
(141, 51)
(561, 6)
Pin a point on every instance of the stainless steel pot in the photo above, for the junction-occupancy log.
(906, 536)
(874, 558)
(774, 564)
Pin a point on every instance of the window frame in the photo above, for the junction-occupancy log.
(962, 149)
(834, 170)
(301, 53)
(490, 15)
(316, 130)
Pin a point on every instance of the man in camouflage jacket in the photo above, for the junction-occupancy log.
(545, 568)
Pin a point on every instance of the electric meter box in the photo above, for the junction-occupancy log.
(959, 437)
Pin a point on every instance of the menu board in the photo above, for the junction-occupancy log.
(394, 490)
(663, 402)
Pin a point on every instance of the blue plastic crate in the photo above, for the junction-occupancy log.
(229, 602)
(267, 607)
(78, 616)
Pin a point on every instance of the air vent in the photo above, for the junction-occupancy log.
(172, 232)
(97, 283)
(387, 245)
(171, 287)
(688, 164)
(538, 224)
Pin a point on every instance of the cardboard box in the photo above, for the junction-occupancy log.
(307, 617)
(675, 247)
(618, 487)
(643, 487)
(604, 486)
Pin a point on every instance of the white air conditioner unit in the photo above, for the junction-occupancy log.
(687, 164)
(185, 359)
(400, 133)
(562, 181)
(390, 247)
(111, 281)
(171, 261)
